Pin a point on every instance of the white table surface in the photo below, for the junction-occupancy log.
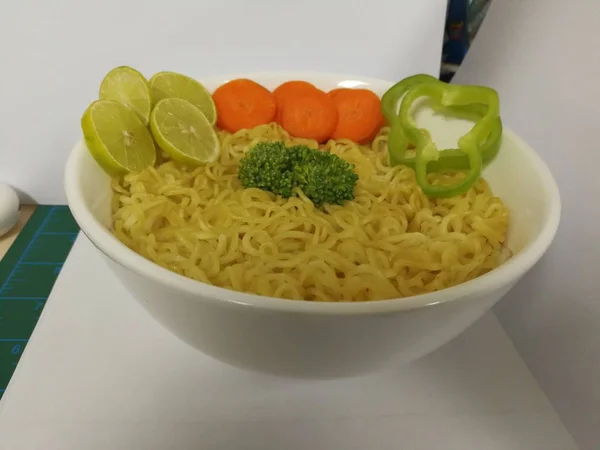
(99, 373)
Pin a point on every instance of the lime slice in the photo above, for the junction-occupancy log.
(117, 138)
(182, 131)
(174, 85)
(128, 87)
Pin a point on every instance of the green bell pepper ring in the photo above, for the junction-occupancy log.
(456, 97)
(450, 159)
(397, 140)
(455, 159)
(389, 101)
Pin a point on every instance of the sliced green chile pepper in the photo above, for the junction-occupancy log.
(456, 98)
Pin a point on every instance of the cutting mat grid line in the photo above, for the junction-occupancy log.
(28, 272)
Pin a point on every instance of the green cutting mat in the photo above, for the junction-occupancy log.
(27, 274)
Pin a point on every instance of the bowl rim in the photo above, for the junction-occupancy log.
(497, 278)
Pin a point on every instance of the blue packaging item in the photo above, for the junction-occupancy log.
(456, 39)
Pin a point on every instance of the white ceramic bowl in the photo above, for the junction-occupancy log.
(325, 340)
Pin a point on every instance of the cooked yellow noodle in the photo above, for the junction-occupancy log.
(390, 241)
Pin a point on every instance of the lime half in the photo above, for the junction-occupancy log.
(117, 138)
(128, 87)
(182, 131)
(174, 85)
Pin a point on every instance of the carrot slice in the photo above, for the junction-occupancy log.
(291, 89)
(243, 104)
(359, 114)
(334, 92)
(311, 116)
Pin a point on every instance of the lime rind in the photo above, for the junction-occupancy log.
(175, 85)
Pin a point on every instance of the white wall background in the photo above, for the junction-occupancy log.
(543, 57)
(54, 55)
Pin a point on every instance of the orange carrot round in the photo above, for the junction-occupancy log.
(311, 116)
(359, 114)
(291, 89)
(243, 104)
(334, 92)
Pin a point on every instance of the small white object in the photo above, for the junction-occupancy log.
(9, 208)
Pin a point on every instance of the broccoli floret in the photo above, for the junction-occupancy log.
(322, 176)
(268, 166)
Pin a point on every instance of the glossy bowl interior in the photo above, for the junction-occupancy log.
(313, 339)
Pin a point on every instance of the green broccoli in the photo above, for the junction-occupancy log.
(322, 176)
(268, 166)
